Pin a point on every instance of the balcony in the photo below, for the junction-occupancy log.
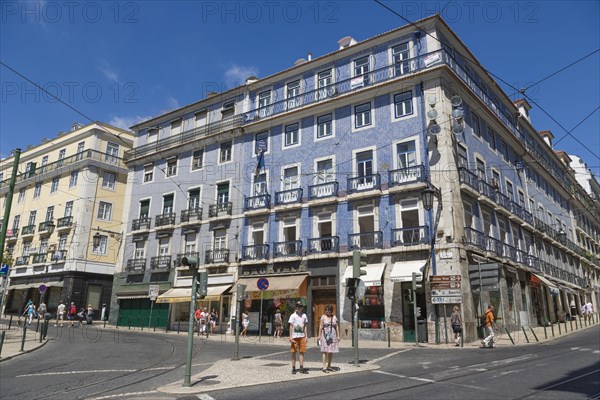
(59, 255)
(504, 201)
(364, 183)
(290, 196)
(325, 244)
(192, 215)
(468, 178)
(323, 190)
(39, 258)
(46, 227)
(64, 223)
(255, 252)
(165, 221)
(220, 210)
(261, 201)
(177, 261)
(28, 230)
(141, 224)
(160, 262)
(12, 234)
(487, 190)
(292, 248)
(366, 240)
(136, 265)
(184, 138)
(404, 176)
(410, 236)
(520, 212)
(218, 256)
(23, 260)
(474, 237)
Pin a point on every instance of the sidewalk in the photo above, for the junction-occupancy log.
(13, 339)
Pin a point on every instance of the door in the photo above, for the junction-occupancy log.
(320, 299)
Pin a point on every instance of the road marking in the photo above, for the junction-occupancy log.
(596, 352)
(575, 348)
(96, 371)
(406, 377)
(386, 356)
(114, 396)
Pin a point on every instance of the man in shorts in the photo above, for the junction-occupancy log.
(60, 314)
(298, 335)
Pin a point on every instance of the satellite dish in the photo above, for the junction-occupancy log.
(431, 100)
(457, 113)
(434, 129)
(456, 101)
(458, 129)
(432, 114)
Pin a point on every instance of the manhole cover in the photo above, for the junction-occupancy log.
(275, 365)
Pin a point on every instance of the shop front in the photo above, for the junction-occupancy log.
(402, 274)
(280, 292)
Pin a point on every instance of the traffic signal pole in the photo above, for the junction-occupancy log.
(190, 344)
(357, 263)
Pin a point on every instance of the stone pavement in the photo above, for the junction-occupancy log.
(13, 339)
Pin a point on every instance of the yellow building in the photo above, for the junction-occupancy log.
(65, 227)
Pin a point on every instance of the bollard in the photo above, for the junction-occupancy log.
(178, 326)
(524, 333)
(510, 337)
(552, 326)
(2, 340)
(534, 335)
(545, 332)
(42, 332)
(585, 321)
(37, 325)
(129, 322)
(566, 330)
(10, 322)
(46, 325)
(23, 338)
(559, 331)
(389, 339)
(571, 322)
(104, 323)
(576, 323)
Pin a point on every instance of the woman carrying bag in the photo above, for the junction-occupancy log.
(329, 336)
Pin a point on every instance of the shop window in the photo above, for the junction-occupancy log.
(371, 313)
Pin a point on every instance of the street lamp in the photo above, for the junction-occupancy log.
(427, 196)
(561, 235)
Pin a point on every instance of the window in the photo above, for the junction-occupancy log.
(480, 169)
(61, 156)
(140, 250)
(219, 239)
(73, 179)
(26, 248)
(171, 167)
(364, 166)
(200, 118)
(54, 185)
(108, 180)
(492, 139)
(62, 242)
(112, 152)
(291, 179)
(407, 154)
(223, 193)
(400, 57)
(21, 195)
(409, 218)
(104, 211)
(163, 247)
(44, 163)
(324, 79)
(403, 104)
(504, 150)
(324, 125)
(228, 109)
(291, 135)
(264, 100)
(293, 91)
(16, 222)
(190, 243)
(260, 184)
(43, 246)
(168, 204)
(176, 127)
(148, 172)
(225, 152)
(30, 170)
(32, 215)
(362, 115)
(99, 244)
(69, 209)
(510, 191)
(261, 142)
(144, 209)
(325, 171)
(37, 190)
(476, 125)
(50, 213)
(79, 155)
(361, 73)
(194, 199)
(197, 159)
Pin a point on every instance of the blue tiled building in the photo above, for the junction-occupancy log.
(284, 177)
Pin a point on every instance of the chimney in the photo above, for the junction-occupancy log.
(75, 126)
(309, 56)
(346, 41)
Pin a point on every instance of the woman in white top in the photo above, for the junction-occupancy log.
(245, 323)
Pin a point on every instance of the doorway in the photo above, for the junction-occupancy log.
(320, 299)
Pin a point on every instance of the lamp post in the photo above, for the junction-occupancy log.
(427, 196)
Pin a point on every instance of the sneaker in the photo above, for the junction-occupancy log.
(303, 370)
(294, 371)
(483, 343)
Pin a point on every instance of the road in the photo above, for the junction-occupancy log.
(102, 364)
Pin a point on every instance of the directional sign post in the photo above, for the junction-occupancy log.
(446, 289)
(153, 293)
(262, 284)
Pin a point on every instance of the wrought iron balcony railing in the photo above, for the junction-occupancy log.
(39, 258)
(160, 262)
(191, 215)
(46, 227)
(292, 248)
(23, 260)
(365, 240)
(141, 223)
(64, 223)
(218, 256)
(288, 196)
(255, 252)
(324, 244)
(404, 176)
(59, 255)
(468, 178)
(136, 265)
(364, 183)
(220, 209)
(164, 220)
(323, 190)
(410, 236)
(28, 230)
(257, 202)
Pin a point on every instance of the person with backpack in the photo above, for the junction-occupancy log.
(81, 315)
(456, 321)
(72, 313)
(490, 324)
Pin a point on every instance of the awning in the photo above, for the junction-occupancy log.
(36, 285)
(133, 296)
(373, 276)
(184, 294)
(402, 271)
(552, 286)
(286, 282)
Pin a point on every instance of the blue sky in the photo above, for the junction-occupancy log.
(122, 62)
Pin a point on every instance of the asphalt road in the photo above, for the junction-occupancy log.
(102, 364)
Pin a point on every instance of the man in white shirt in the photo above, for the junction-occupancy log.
(60, 314)
(298, 335)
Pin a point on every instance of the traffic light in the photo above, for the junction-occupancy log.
(415, 279)
(202, 284)
(351, 285)
(358, 261)
(408, 295)
(240, 292)
(189, 261)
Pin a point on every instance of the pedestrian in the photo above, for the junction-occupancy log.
(29, 311)
(329, 336)
(42, 310)
(278, 324)
(103, 312)
(204, 321)
(245, 323)
(197, 316)
(72, 313)
(456, 321)
(588, 311)
(573, 309)
(89, 316)
(60, 314)
(213, 320)
(490, 325)
(81, 315)
(298, 334)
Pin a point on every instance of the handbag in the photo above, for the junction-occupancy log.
(329, 336)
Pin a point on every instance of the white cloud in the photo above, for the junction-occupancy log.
(108, 71)
(237, 74)
(172, 104)
(127, 121)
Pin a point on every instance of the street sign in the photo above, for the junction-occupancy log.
(444, 278)
(262, 284)
(42, 288)
(446, 300)
(447, 292)
(445, 285)
(4, 270)
(153, 292)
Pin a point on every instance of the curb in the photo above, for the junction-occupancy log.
(24, 351)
